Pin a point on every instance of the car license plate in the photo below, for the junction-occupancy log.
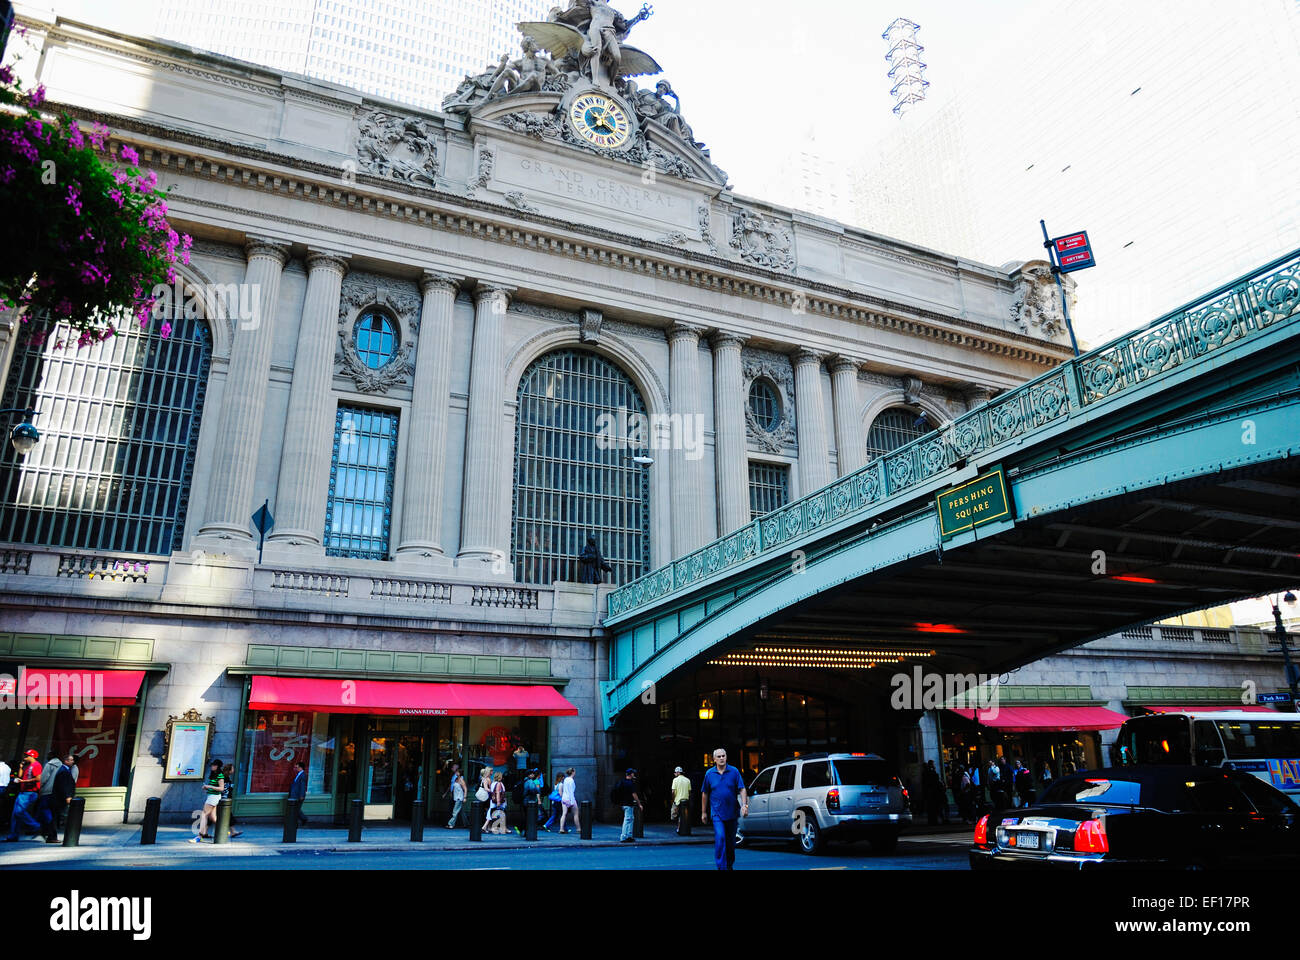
(874, 799)
(1026, 841)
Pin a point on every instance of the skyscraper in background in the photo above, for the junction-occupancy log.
(1168, 130)
(411, 51)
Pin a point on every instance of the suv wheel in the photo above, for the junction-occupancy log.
(811, 840)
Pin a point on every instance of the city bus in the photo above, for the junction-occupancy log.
(1266, 745)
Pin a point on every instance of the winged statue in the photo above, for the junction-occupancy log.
(593, 32)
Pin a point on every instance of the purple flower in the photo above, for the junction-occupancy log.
(165, 330)
(117, 197)
(6, 75)
(74, 136)
(74, 199)
(129, 155)
(37, 96)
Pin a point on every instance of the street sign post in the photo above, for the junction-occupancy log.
(264, 522)
(973, 504)
(1068, 253)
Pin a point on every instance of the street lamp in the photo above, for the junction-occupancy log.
(25, 435)
(1292, 675)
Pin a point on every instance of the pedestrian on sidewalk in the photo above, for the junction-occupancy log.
(70, 763)
(228, 794)
(625, 795)
(569, 801)
(298, 790)
(62, 787)
(212, 790)
(681, 788)
(7, 792)
(496, 816)
(28, 782)
(534, 784)
(723, 797)
(457, 791)
(47, 813)
(557, 803)
(484, 792)
(936, 800)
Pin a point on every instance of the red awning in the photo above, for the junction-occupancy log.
(1032, 719)
(74, 689)
(402, 698)
(1256, 708)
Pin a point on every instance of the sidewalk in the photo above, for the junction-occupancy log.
(121, 843)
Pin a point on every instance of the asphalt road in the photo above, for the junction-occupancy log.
(911, 854)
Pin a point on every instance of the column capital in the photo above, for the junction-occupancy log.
(839, 363)
(487, 292)
(977, 394)
(721, 338)
(686, 331)
(435, 280)
(268, 247)
(806, 355)
(321, 259)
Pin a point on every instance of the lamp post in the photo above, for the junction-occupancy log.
(25, 435)
(1292, 675)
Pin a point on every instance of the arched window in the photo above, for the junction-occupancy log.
(119, 423)
(765, 404)
(892, 429)
(376, 340)
(574, 475)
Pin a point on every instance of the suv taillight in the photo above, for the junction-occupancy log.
(1091, 837)
(832, 799)
(982, 831)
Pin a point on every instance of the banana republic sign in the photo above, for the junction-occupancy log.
(982, 500)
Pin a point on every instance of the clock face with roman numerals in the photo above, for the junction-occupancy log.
(600, 121)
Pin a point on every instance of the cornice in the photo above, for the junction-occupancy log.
(321, 183)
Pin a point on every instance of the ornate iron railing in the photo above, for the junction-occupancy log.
(1228, 315)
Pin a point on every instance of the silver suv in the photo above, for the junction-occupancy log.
(828, 796)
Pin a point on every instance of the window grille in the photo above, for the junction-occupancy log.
(769, 488)
(359, 511)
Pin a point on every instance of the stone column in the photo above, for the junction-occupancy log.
(850, 434)
(305, 455)
(234, 472)
(426, 454)
(814, 451)
(692, 527)
(730, 459)
(485, 473)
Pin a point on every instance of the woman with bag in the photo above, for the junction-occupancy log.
(484, 791)
(496, 816)
(555, 798)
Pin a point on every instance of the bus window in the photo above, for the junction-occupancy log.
(1260, 739)
(1209, 748)
(1156, 740)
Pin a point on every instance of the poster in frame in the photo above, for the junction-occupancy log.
(186, 740)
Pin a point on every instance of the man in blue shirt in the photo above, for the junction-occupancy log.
(723, 796)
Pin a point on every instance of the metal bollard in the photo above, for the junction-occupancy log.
(417, 822)
(584, 809)
(476, 815)
(684, 820)
(72, 832)
(354, 823)
(149, 828)
(291, 821)
(222, 834)
(638, 823)
(530, 818)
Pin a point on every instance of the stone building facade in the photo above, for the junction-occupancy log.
(387, 317)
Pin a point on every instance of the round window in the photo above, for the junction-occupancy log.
(765, 404)
(376, 340)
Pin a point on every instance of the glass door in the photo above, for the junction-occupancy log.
(395, 766)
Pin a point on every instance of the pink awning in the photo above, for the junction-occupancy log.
(73, 688)
(1256, 708)
(403, 698)
(1033, 719)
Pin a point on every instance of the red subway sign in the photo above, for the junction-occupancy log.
(1074, 252)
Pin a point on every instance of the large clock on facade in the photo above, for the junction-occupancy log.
(600, 120)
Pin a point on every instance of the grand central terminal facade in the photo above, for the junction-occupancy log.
(406, 335)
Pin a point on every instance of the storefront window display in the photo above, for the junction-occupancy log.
(102, 741)
(275, 742)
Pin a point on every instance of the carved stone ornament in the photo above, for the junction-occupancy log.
(517, 199)
(590, 325)
(912, 387)
(762, 242)
(1036, 309)
(676, 239)
(397, 147)
(398, 298)
(777, 372)
(536, 125)
(487, 161)
(706, 228)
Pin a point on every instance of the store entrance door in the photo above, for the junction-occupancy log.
(393, 774)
